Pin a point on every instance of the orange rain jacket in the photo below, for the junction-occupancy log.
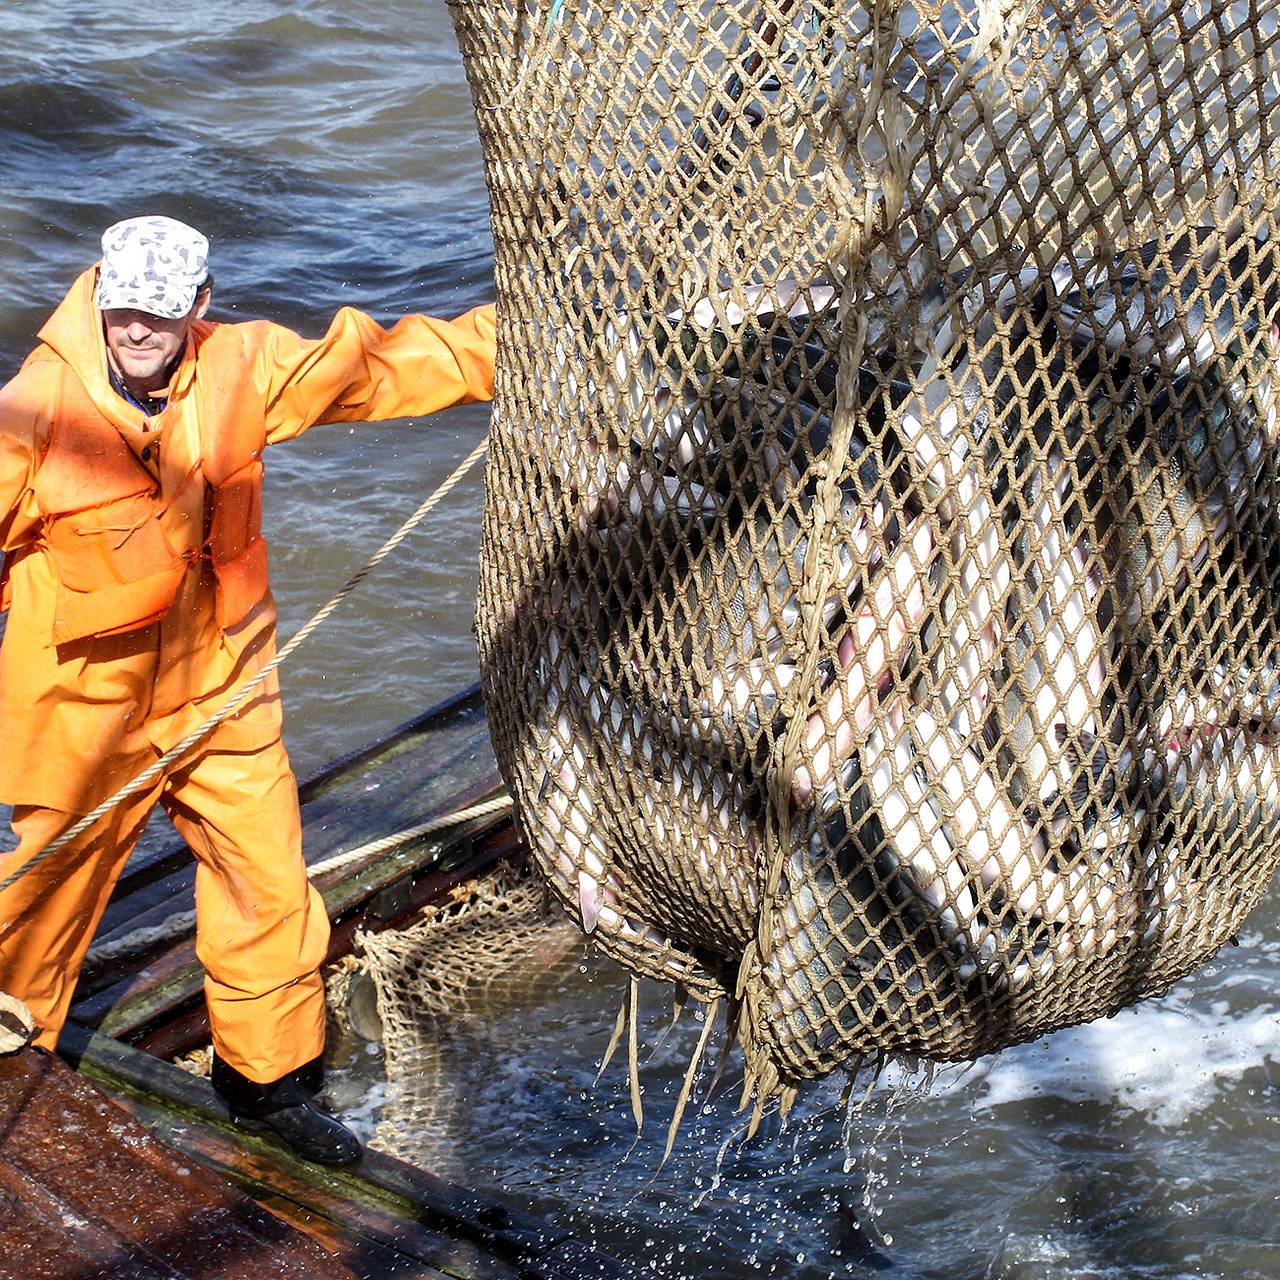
(136, 573)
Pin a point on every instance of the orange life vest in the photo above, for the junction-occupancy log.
(119, 558)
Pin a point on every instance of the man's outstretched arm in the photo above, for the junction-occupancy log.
(360, 371)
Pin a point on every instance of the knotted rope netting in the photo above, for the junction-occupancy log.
(877, 602)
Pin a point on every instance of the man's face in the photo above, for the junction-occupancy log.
(143, 345)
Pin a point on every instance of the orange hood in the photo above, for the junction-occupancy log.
(74, 333)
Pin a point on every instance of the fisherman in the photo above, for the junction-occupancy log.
(136, 583)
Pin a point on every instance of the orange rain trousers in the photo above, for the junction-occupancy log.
(262, 928)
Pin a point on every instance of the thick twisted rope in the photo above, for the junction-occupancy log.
(198, 734)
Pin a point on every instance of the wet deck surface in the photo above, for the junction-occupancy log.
(87, 1192)
(381, 1218)
(129, 1170)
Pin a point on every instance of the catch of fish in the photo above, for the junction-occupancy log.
(1029, 711)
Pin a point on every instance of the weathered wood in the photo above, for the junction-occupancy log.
(87, 1191)
(466, 704)
(163, 986)
(352, 1222)
(363, 1257)
(176, 1035)
(406, 1210)
(343, 888)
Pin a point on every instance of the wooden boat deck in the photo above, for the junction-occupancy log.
(168, 1187)
(69, 1213)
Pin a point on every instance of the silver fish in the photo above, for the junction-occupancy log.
(591, 743)
(847, 941)
(1177, 307)
(1187, 756)
(870, 651)
(924, 844)
(1178, 372)
(1053, 671)
(1171, 481)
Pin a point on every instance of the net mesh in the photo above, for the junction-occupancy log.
(439, 987)
(875, 611)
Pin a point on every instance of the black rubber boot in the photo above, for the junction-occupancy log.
(285, 1108)
(311, 1075)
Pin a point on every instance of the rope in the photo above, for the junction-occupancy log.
(17, 1026)
(181, 921)
(499, 804)
(198, 734)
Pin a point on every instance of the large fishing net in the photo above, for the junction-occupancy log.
(876, 611)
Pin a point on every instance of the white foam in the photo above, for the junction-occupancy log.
(1166, 1058)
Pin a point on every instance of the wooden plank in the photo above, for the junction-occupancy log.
(171, 980)
(345, 887)
(421, 778)
(458, 1230)
(122, 1204)
(354, 1224)
(466, 704)
(360, 1255)
(398, 910)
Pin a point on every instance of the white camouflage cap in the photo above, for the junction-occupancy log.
(152, 264)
